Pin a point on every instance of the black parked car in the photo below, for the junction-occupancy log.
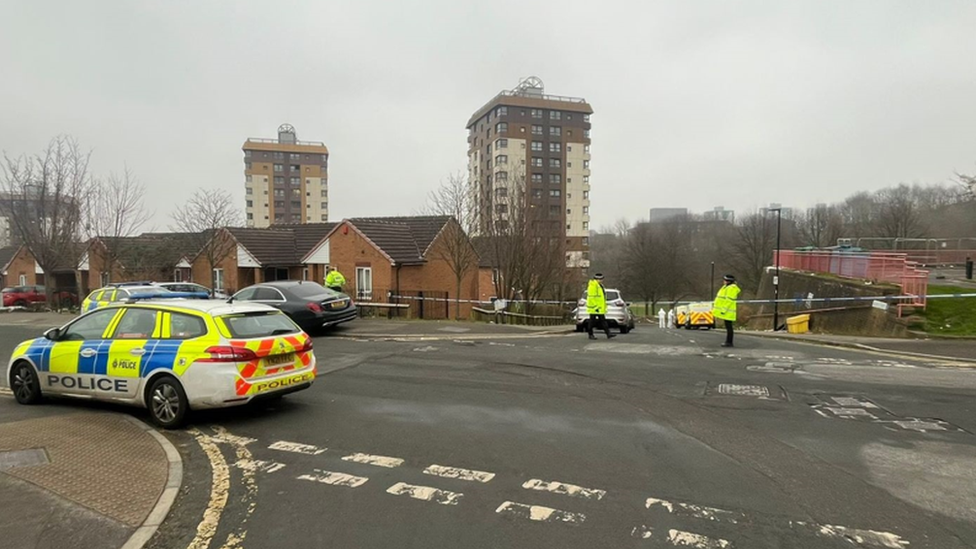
(309, 304)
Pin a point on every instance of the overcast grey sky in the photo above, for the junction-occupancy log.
(697, 103)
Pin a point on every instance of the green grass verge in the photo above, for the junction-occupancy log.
(949, 316)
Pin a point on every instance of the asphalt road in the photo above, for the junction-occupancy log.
(657, 438)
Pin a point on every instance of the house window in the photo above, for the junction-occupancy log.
(218, 279)
(536, 130)
(586, 241)
(569, 211)
(537, 146)
(586, 226)
(586, 118)
(325, 192)
(586, 180)
(586, 210)
(501, 208)
(554, 163)
(554, 210)
(250, 216)
(247, 178)
(250, 203)
(537, 178)
(247, 154)
(279, 193)
(295, 157)
(296, 193)
(305, 273)
(586, 164)
(279, 204)
(536, 113)
(178, 275)
(324, 205)
(364, 283)
(501, 127)
(296, 204)
(501, 111)
(501, 192)
(586, 134)
(586, 195)
(554, 193)
(501, 176)
(501, 144)
(586, 149)
(296, 181)
(554, 115)
(554, 178)
(247, 165)
(278, 156)
(536, 162)
(279, 180)
(325, 217)
(488, 149)
(501, 159)
(555, 147)
(248, 190)
(278, 168)
(555, 131)
(296, 168)
(536, 193)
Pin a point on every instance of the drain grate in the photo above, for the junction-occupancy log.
(743, 390)
(22, 458)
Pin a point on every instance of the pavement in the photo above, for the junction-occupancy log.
(958, 350)
(657, 438)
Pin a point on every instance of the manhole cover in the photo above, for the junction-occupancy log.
(743, 390)
(22, 458)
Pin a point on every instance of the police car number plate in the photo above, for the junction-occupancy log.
(274, 360)
(337, 304)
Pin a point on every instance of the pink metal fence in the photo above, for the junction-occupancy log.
(889, 267)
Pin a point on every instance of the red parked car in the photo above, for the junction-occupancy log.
(23, 296)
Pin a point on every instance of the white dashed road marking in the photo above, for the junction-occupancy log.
(379, 461)
(297, 448)
(425, 493)
(680, 538)
(870, 538)
(564, 489)
(697, 511)
(458, 473)
(259, 465)
(335, 479)
(539, 513)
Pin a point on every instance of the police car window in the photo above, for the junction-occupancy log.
(259, 324)
(612, 295)
(120, 295)
(183, 326)
(136, 324)
(90, 326)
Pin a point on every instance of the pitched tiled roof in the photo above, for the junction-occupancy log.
(6, 254)
(307, 235)
(269, 246)
(404, 239)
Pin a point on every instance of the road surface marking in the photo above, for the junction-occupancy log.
(642, 532)
(297, 448)
(680, 538)
(539, 513)
(219, 487)
(379, 461)
(564, 489)
(458, 473)
(335, 479)
(259, 465)
(871, 538)
(235, 539)
(697, 511)
(851, 402)
(6, 392)
(425, 493)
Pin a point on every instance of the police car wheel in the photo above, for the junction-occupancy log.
(24, 384)
(167, 403)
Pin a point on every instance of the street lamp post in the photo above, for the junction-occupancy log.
(711, 282)
(779, 223)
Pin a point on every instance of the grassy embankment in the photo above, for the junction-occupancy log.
(949, 316)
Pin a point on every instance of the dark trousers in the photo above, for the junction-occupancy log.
(728, 331)
(602, 319)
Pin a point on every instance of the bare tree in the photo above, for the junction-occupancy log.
(752, 249)
(454, 198)
(898, 215)
(202, 218)
(820, 226)
(116, 210)
(42, 201)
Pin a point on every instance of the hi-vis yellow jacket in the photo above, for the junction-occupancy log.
(725, 302)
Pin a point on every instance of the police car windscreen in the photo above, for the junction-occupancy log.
(144, 291)
(259, 324)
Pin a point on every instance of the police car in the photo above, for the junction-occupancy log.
(169, 357)
(114, 293)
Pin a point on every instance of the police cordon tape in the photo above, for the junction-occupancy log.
(794, 300)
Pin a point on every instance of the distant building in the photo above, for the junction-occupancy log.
(285, 180)
(787, 213)
(719, 213)
(544, 141)
(664, 214)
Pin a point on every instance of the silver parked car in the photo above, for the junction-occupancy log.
(618, 313)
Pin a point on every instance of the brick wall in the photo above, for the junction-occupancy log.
(350, 250)
(436, 275)
(22, 264)
(203, 275)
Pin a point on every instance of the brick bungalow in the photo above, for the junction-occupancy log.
(396, 256)
(17, 267)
